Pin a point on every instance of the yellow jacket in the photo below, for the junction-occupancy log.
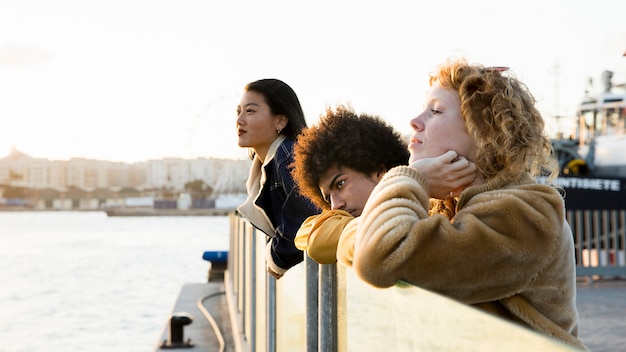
(320, 234)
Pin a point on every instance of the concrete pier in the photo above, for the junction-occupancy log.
(602, 310)
(601, 306)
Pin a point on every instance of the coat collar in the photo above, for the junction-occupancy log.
(256, 179)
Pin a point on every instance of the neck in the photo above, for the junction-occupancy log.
(267, 152)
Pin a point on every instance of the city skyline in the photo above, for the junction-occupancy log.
(14, 149)
(222, 175)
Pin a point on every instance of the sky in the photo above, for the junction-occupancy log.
(134, 80)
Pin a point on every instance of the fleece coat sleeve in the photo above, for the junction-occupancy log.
(508, 249)
(495, 245)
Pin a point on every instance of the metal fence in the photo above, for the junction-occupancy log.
(328, 308)
(595, 210)
(599, 237)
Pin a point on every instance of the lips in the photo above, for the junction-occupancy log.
(414, 141)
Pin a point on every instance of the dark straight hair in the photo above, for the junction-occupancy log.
(282, 100)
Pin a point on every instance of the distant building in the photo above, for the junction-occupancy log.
(224, 176)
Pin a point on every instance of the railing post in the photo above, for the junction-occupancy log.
(271, 313)
(252, 283)
(327, 324)
(312, 298)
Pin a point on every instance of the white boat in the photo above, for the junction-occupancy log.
(593, 160)
(598, 148)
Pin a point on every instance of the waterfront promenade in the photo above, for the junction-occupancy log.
(602, 310)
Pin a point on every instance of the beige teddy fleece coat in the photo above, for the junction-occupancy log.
(508, 250)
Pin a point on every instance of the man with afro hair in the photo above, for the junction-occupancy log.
(337, 164)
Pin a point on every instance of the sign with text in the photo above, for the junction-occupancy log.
(601, 193)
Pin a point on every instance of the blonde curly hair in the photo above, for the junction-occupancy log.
(500, 114)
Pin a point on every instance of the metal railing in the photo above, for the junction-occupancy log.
(599, 236)
(328, 308)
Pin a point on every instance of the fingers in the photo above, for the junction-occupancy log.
(273, 274)
(448, 174)
(453, 175)
(461, 178)
(462, 168)
(434, 163)
(449, 157)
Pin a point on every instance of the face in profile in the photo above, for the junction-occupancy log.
(440, 127)
(256, 125)
(347, 189)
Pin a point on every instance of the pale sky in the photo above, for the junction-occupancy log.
(132, 80)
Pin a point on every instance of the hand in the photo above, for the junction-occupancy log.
(273, 274)
(447, 174)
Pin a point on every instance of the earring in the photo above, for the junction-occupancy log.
(278, 130)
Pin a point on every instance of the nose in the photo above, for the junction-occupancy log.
(239, 119)
(417, 123)
(337, 202)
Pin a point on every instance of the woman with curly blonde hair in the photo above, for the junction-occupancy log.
(500, 241)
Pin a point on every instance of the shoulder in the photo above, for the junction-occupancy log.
(524, 188)
(529, 190)
(524, 200)
(284, 153)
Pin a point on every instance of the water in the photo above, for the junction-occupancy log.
(81, 281)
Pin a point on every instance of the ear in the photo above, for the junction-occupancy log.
(281, 122)
(379, 175)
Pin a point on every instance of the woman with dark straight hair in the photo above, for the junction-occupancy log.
(269, 119)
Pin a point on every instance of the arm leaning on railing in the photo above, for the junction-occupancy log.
(399, 318)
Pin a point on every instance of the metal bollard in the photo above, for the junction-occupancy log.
(219, 264)
(178, 320)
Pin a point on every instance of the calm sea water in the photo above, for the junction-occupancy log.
(81, 281)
